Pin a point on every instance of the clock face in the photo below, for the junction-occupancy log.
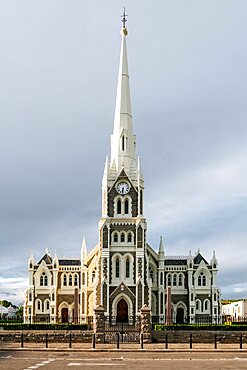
(123, 188)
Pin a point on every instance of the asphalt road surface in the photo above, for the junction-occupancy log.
(16, 360)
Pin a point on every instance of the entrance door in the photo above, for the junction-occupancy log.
(122, 311)
(180, 316)
(64, 315)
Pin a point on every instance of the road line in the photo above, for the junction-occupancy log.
(92, 364)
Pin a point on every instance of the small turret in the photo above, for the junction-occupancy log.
(55, 260)
(31, 261)
(190, 261)
(161, 250)
(83, 250)
(214, 262)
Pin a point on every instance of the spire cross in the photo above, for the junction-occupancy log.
(124, 20)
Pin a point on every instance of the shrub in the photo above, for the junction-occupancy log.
(163, 327)
(21, 326)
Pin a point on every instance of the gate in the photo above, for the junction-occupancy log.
(127, 330)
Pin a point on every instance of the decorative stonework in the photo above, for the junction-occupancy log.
(99, 323)
(146, 323)
(105, 268)
(139, 267)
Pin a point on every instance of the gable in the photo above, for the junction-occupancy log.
(199, 258)
(46, 258)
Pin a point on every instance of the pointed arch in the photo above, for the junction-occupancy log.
(127, 268)
(126, 206)
(117, 268)
(122, 237)
(119, 207)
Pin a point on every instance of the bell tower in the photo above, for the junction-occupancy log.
(122, 286)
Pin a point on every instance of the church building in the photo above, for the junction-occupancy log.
(122, 272)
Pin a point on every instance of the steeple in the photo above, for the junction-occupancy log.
(122, 139)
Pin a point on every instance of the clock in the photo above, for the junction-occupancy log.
(123, 188)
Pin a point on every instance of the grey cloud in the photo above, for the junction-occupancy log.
(188, 77)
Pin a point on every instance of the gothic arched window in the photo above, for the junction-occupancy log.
(141, 202)
(119, 207)
(76, 280)
(115, 237)
(93, 274)
(126, 206)
(43, 280)
(83, 278)
(169, 280)
(161, 278)
(47, 305)
(117, 267)
(64, 280)
(38, 305)
(151, 274)
(199, 280)
(203, 280)
(180, 280)
(127, 272)
(174, 282)
(30, 297)
(129, 237)
(122, 142)
(161, 303)
(70, 280)
(122, 238)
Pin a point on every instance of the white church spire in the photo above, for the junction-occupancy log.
(122, 139)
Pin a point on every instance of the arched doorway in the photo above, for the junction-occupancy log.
(122, 311)
(180, 316)
(65, 315)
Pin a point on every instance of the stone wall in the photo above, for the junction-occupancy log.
(202, 336)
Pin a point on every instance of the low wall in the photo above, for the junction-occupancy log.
(40, 336)
(203, 336)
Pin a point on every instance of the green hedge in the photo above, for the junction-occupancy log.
(21, 326)
(238, 327)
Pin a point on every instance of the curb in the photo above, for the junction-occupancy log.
(71, 350)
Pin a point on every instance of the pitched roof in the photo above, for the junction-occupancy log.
(47, 258)
(69, 262)
(199, 258)
(175, 262)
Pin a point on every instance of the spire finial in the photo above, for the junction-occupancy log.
(124, 30)
(123, 16)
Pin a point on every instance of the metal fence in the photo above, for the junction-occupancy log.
(199, 320)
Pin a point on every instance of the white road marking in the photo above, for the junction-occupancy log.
(92, 364)
(43, 363)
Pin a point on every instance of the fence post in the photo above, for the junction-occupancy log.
(99, 323)
(215, 341)
(241, 341)
(70, 340)
(145, 323)
(190, 340)
(117, 340)
(166, 341)
(46, 340)
(141, 340)
(94, 340)
(22, 340)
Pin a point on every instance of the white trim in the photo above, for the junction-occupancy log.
(128, 301)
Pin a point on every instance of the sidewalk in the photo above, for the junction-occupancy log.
(123, 347)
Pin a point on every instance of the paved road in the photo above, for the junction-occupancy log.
(15, 360)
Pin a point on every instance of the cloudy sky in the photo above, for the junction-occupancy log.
(58, 75)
